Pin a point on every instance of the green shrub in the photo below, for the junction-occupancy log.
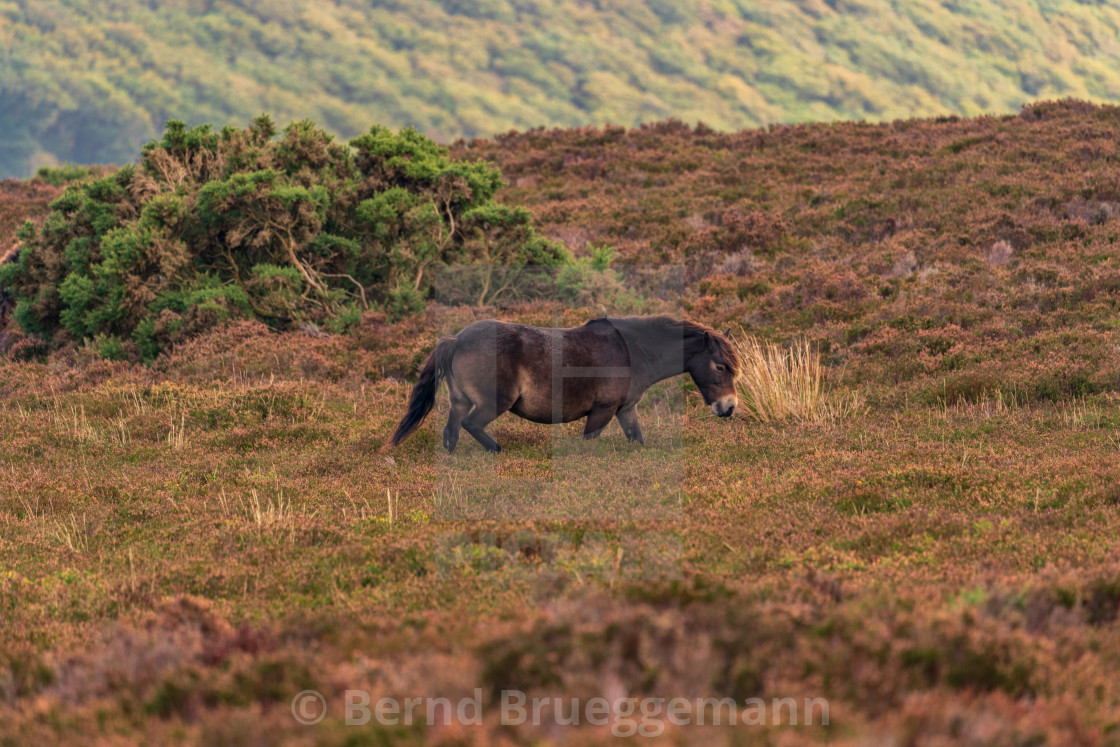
(288, 229)
(592, 281)
(58, 175)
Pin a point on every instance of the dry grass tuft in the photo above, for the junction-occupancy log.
(72, 535)
(778, 384)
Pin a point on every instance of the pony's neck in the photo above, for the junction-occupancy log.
(663, 350)
(670, 358)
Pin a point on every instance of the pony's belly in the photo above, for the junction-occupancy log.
(577, 401)
(542, 409)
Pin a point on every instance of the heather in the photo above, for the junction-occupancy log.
(924, 256)
(187, 544)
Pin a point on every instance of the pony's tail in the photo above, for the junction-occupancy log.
(436, 367)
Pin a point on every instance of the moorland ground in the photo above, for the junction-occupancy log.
(187, 545)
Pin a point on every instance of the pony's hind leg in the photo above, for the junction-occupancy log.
(475, 423)
(460, 407)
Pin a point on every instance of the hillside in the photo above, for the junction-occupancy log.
(939, 254)
(939, 562)
(89, 82)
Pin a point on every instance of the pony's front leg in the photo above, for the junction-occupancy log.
(628, 419)
(597, 420)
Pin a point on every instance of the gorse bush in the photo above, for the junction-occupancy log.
(287, 229)
(58, 176)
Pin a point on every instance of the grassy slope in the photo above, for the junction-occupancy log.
(943, 566)
(89, 82)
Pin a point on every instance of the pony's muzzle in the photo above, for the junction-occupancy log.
(725, 406)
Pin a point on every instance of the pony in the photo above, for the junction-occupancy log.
(598, 371)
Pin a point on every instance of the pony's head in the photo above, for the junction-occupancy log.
(713, 363)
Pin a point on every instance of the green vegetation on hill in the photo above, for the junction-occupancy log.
(90, 82)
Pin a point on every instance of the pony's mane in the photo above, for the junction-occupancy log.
(688, 330)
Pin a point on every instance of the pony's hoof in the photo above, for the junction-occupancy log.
(496, 450)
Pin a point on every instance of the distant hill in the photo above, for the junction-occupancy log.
(88, 82)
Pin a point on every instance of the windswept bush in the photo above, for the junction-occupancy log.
(287, 229)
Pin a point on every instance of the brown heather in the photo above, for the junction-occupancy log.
(183, 547)
(19, 201)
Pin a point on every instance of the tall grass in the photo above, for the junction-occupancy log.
(778, 384)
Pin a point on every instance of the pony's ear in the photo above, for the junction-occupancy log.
(727, 333)
(711, 341)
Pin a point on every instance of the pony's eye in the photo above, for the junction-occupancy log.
(720, 369)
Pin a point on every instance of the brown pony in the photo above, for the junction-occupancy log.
(599, 371)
